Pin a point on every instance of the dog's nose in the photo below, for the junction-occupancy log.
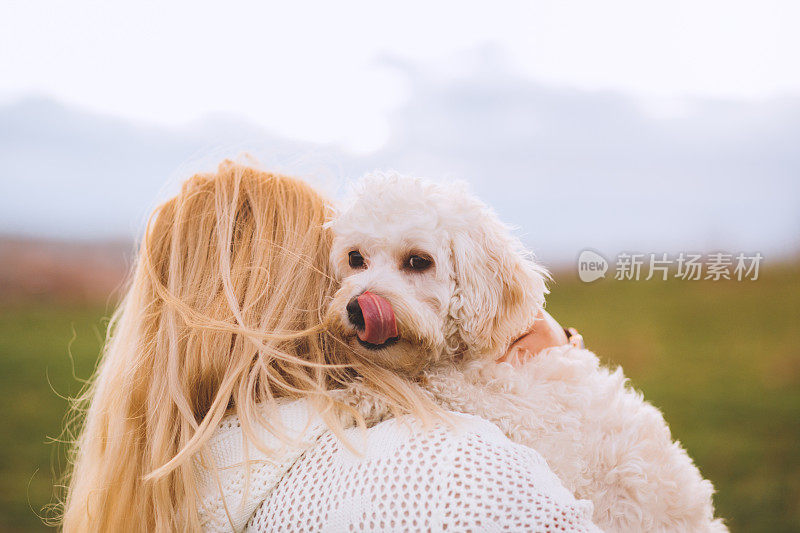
(354, 313)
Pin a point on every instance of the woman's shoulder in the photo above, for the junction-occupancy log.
(488, 479)
(401, 475)
(406, 437)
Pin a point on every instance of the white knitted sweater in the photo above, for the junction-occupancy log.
(471, 478)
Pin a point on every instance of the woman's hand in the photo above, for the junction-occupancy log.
(546, 333)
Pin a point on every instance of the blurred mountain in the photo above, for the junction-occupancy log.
(69, 173)
(579, 169)
(574, 169)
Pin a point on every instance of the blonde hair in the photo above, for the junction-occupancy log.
(223, 314)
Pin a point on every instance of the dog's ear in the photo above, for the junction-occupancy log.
(499, 289)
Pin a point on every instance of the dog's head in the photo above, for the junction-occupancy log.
(428, 271)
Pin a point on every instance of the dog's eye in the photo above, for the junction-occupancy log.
(418, 263)
(356, 259)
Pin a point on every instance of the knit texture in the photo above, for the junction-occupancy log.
(467, 478)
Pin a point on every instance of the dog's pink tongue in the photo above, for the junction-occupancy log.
(379, 322)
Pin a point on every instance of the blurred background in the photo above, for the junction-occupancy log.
(620, 126)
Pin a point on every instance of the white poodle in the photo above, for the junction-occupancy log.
(435, 286)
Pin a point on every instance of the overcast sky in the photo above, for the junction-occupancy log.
(611, 125)
(317, 71)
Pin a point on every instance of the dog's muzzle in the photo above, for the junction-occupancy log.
(373, 317)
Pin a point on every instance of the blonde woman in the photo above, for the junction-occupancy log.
(214, 406)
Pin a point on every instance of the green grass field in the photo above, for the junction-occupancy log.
(722, 360)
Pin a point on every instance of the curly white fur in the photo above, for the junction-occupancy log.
(455, 319)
